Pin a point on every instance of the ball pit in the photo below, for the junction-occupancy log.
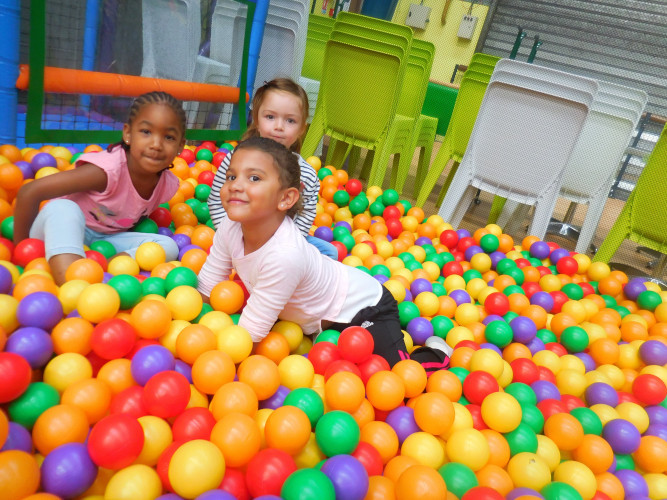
(122, 384)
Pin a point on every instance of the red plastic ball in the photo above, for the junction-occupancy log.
(559, 299)
(587, 288)
(129, 401)
(521, 263)
(556, 347)
(497, 303)
(28, 250)
(188, 155)
(476, 414)
(115, 441)
(166, 394)
(452, 267)
(391, 212)
(627, 397)
(449, 238)
(546, 374)
(341, 365)
(161, 216)
(469, 343)
(353, 187)
(531, 288)
(15, 374)
(342, 250)
(550, 407)
(482, 493)
(206, 177)
(394, 226)
(372, 365)
(356, 344)
(162, 467)
(267, 471)
(649, 389)
(465, 243)
(113, 338)
(210, 145)
(234, 483)
(571, 402)
(479, 384)
(322, 354)
(97, 257)
(218, 157)
(567, 265)
(544, 270)
(524, 370)
(369, 457)
(193, 423)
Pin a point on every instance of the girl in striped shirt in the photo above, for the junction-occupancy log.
(279, 112)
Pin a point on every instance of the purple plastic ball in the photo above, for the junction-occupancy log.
(408, 296)
(496, 257)
(658, 430)
(540, 250)
(535, 345)
(342, 223)
(543, 299)
(420, 329)
(492, 317)
(106, 277)
(493, 347)
(558, 254)
(633, 483)
(324, 233)
(633, 288)
(68, 470)
(276, 400)
(182, 251)
(402, 420)
(460, 297)
(181, 240)
(524, 329)
(348, 475)
(622, 436)
(25, 169)
(165, 231)
(520, 492)
(653, 352)
(268, 497)
(589, 362)
(184, 369)
(381, 278)
(601, 393)
(472, 251)
(18, 438)
(463, 233)
(5, 280)
(41, 160)
(31, 343)
(40, 309)
(150, 360)
(216, 495)
(170, 496)
(423, 240)
(657, 414)
(544, 389)
(420, 285)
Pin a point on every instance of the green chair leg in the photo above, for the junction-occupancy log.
(619, 232)
(496, 209)
(448, 181)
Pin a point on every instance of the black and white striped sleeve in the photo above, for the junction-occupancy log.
(309, 197)
(214, 204)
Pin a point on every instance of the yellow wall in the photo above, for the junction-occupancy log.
(450, 50)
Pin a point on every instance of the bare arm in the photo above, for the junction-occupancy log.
(86, 177)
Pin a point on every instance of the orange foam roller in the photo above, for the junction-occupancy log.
(78, 81)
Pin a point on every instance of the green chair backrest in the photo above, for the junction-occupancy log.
(650, 193)
(480, 68)
(372, 36)
(415, 80)
(468, 101)
(321, 21)
(375, 23)
(483, 58)
(366, 43)
(313, 58)
(353, 104)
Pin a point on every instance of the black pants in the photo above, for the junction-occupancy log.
(383, 323)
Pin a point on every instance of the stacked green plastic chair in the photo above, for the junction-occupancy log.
(473, 85)
(643, 218)
(319, 30)
(361, 80)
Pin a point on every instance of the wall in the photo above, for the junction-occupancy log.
(450, 50)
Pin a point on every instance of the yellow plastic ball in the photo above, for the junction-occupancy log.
(571, 382)
(501, 412)
(353, 261)
(149, 255)
(454, 282)
(123, 264)
(634, 414)
(295, 372)
(314, 162)
(427, 303)
(136, 482)
(598, 271)
(66, 369)
(548, 451)
(418, 253)
(481, 262)
(527, 470)
(462, 420)
(157, 436)
(466, 314)
(184, 302)
(425, 448)
(475, 286)
(8, 307)
(605, 413)
(577, 475)
(394, 263)
(197, 466)
(547, 359)
(168, 340)
(45, 172)
(98, 302)
(216, 320)
(385, 249)
(396, 288)
(487, 360)
(235, 341)
(550, 283)
(468, 447)
(458, 334)
(69, 293)
(291, 331)
(657, 485)
(432, 269)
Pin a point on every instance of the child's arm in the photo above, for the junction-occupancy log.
(215, 207)
(309, 196)
(86, 177)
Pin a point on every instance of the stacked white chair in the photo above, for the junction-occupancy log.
(171, 38)
(593, 165)
(527, 126)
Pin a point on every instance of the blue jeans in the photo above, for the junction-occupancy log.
(324, 247)
(62, 226)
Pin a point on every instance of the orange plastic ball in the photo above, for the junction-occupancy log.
(274, 346)
(398, 465)
(227, 296)
(234, 397)
(85, 269)
(382, 437)
(445, 382)
(19, 474)
(212, 370)
(420, 482)
(58, 425)
(595, 453)
(564, 430)
(385, 390)
(344, 391)
(238, 437)
(287, 429)
(117, 375)
(434, 413)
(261, 374)
(151, 319)
(413, 375)
(92, 396)
(193, 341)
(34, 283)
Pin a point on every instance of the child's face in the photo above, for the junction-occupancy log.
(252, 191)
(155, 138)
(280, 117)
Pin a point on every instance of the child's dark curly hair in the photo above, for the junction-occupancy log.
(285, 162)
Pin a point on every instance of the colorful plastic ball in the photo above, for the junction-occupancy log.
(68, 470)
(98, 302)
(348, 476)
(151, 318)
(40, 309)
(344, 391)
(402, 420)
(369, 457)
(93, 396)
(601, 393)
(133, 482)
(296, 371)
(337, 433)
(166, 394)
(648, 388)
(184, 302)
(32, 343)
(355, 344)
(18, 438)
(267, 471)
(308, 484)
(129, 289)
(287, 429)
(28, 250)
(15, 373)
(497, 303)
(468, 447)
(227, 296)
(653, 352)
(419, 329)
(150, 360)
(115, 441)
(558, 490)
(478, 385)
(385, 390)
(522, 439)
(374, 364)
(528, 470)
(36, 399)
(634, 485)
(501, 412)
(574, 338)
(622, 435)
(196, 467)
(19, 474)
(58, 425)
(113, 338)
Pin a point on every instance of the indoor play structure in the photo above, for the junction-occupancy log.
(123, 384)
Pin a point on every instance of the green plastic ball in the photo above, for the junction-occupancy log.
(499, 333)
(328, 336)
(146, 226)
(574, 339)
(337, 433)
(381, 269)
(407, 311)
(505, 265)
(522, 393)
(349, 242)
(36, 399)
(376, 208)
(193, 203)
(129, 290)
(517, 274)
(202, 191)
(307, 484)
(471, 274)
(323, 172)
(204, 154)
(458, 477)
(521, 439)
(202, 213)
(390, 197)
(180, 276)
(557, 490)
(365, 270)
(588, 419)
(406, 257)
(460, 372)
(339, 232)
(358, 205)
(624, 462)
(153, 286)
(341, 198)
(649, 300)
(413, 264)
(489, 243)
(205, 309)
(573, 291)
(7, 228)
(509, 316)
(533, 418)
(610, 302)
(441, 326)
(509, 290)
(439, 289)
(104, 247)
(546, 336)
(406, 205)
(309, 401)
